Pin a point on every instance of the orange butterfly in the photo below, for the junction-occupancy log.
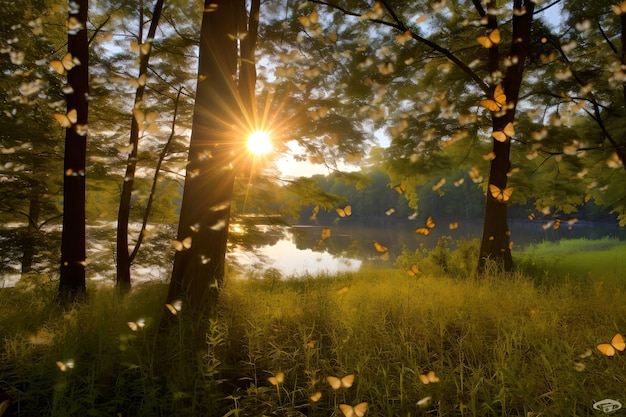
(400, 189)
(611, 348)
(414, 270)
(380, 248)
(279, 378)
(453, 225)
(504, 134)
(344, 212)
(356, 411)
(429, 378)
(491, 40)
(499, 100)
(325, 234)
(336, 383)
(430, 224)
(501, 195)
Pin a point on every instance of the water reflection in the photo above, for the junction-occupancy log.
(299, 250)
(291, 259)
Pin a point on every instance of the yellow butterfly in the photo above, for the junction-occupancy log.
(310, 20)
(430, 224)
(356, 411)
(64, 64)
(67, 120)
(616, 344)
(137, 48)
(501, 195)
(325, 234)
(316, 396)
(414, 270)
(400, 189)
(499, 100)
(453, 225)
(279, 378)
(380, 248)
(344, 212)
(504, 134)
(429, 378)
(316, 210)
(182, 245)
(491, 40)
(336, 383)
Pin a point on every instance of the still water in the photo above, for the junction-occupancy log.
(299, 250)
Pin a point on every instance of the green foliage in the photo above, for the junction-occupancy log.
(498, 345)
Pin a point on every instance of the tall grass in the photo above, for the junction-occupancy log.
(501, 345)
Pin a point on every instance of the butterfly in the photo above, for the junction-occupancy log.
(453, 225)
(137, 48)
(310, 20)
(430, 224)
(424, 402)
(336, 383)
(64, 366)
(619, 9)
(413, 270)
(400, 189)
(340, 291)
(616, 344)
(390, 211)
(501, 195)
(174, 307)
(316, 396)
(181, 245)
(279, 378)
(380, 248)
(64, 64)
(504, 134)
(429, 378)
(316, 210)
(499, 100)
(136, 325)
(356, 411)
(67, 120)
(491, 40)
(325, 234)
(344, 212)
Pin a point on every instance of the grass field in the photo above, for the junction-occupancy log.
(522, 344)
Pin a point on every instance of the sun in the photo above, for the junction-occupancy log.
(259, 143)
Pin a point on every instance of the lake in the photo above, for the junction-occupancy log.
(299, 250)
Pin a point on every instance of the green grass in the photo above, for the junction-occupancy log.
(506, 345)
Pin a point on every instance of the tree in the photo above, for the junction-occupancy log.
(73, 253)
(217, 139)
(501, 86)
(124, 257)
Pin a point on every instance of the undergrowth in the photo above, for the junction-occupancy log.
(497, 345)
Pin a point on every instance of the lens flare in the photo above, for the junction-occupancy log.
(259, 143)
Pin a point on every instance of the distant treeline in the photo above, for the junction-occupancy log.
(378, 198)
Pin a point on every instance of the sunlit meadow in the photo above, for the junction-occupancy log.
(380, 342)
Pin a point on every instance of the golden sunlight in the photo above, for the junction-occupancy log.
(259, 143)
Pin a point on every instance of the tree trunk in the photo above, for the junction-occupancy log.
(198, 271)
(72, 281)
(495, 237)
(124, 256)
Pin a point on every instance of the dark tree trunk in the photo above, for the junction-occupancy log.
(495, 238)
(198, 271)
(124, 255)
(72, 281)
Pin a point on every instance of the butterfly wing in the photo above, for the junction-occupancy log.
(347, 381)
(607, 349)
(348, 210)
(334, 382)
(618, 342)
(430, 222)
(360, 409)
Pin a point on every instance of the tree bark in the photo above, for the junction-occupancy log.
(495, 242)
(198, 271)
(72, 285)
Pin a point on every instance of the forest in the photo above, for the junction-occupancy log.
(164, 135)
